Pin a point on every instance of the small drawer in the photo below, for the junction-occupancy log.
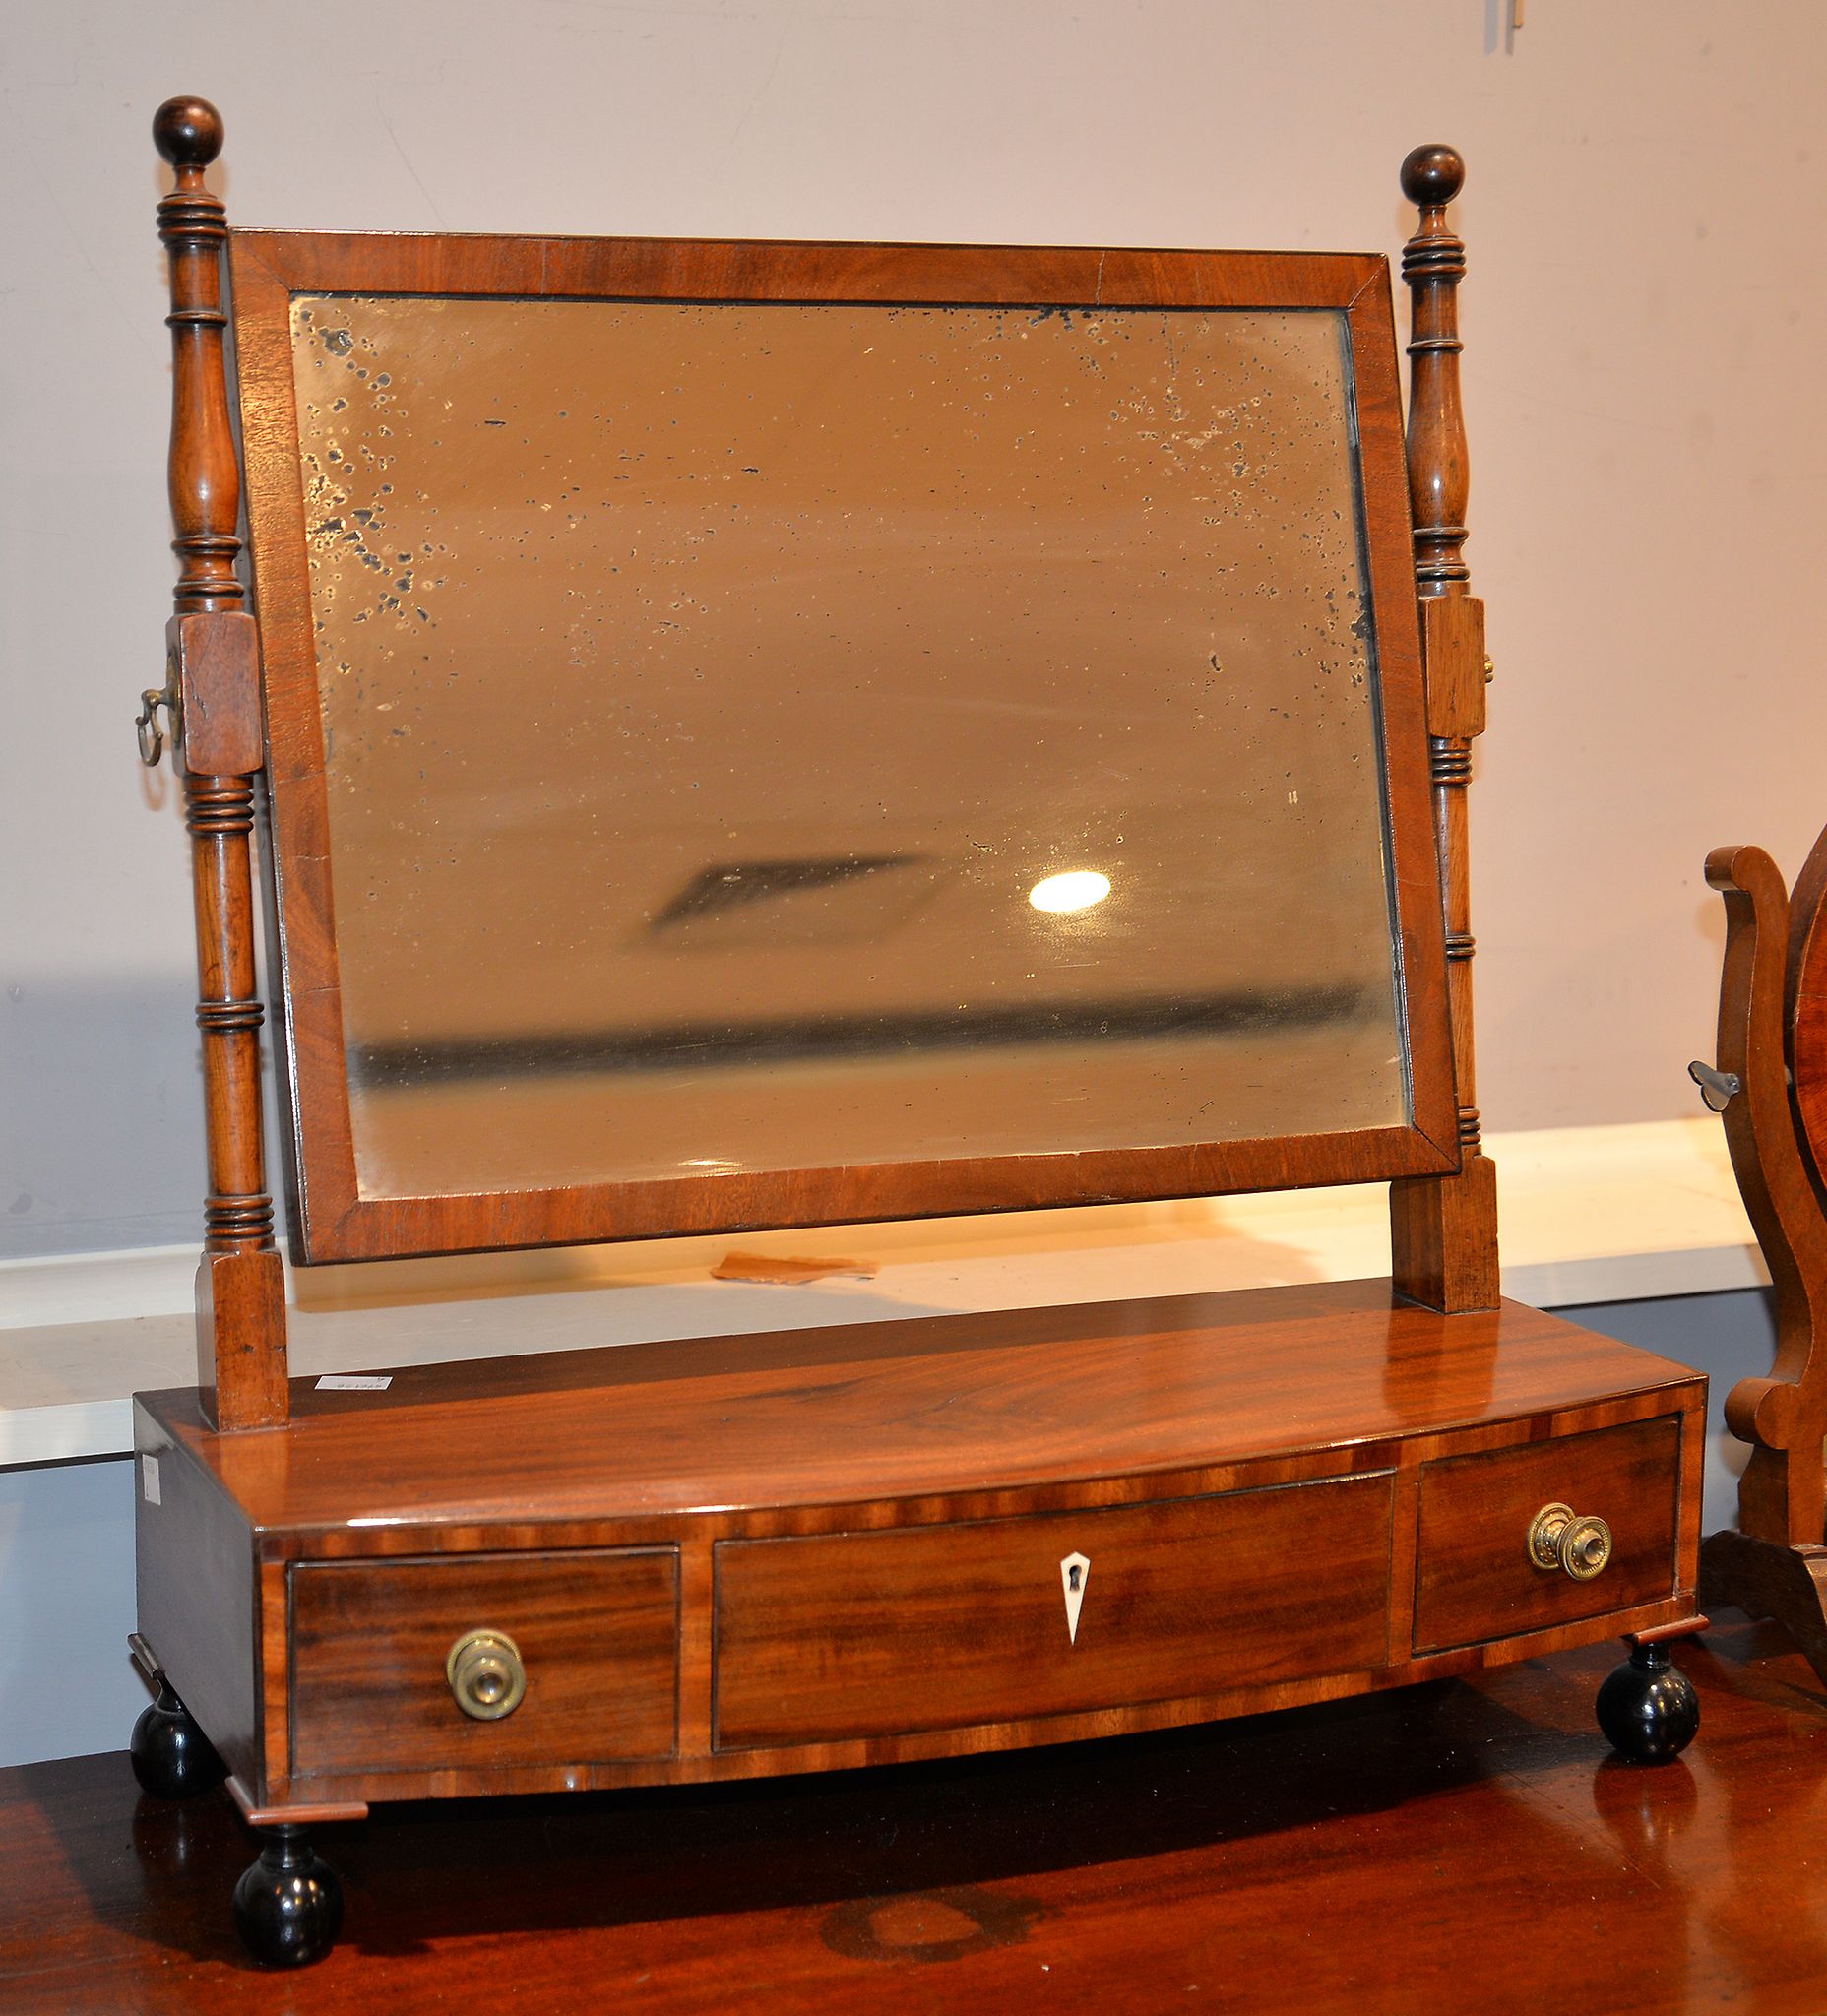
(596, 1633)
(840, 1636)
(1476, 1578)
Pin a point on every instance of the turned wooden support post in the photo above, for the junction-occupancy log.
(212, 696)
(1443, 1230)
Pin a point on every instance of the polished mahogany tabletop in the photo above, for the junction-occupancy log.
(1466, 1846)
(940, 1403)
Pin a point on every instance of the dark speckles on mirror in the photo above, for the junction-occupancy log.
(896, 616)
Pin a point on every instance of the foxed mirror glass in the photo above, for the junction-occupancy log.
(758, 737)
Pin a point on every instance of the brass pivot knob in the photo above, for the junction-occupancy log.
(486, 1676)
(1578, 1543)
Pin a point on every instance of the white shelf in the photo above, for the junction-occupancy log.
(1588, 1215)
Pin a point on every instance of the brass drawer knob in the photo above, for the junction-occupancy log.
(486, 1676)
(1578, 1542)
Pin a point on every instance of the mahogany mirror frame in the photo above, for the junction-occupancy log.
(330, 1219)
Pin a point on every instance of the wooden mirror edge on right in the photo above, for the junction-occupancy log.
(1769, 1085)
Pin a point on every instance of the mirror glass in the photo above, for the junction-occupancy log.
(772, 736)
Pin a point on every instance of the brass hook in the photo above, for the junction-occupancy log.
(152, 736)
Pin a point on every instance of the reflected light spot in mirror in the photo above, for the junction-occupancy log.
(1061, 895)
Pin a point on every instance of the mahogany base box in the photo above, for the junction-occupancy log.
(741, 1556)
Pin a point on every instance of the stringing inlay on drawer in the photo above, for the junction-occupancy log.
(1483, 1568)
(844, 1635)
(596, 1631)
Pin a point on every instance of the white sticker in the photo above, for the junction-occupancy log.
(354, 1383)
(149, 1479)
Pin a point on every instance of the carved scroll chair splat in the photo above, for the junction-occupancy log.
(1769, 1084)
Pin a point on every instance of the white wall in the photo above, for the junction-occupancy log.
(1644, 319)
(67, 1686)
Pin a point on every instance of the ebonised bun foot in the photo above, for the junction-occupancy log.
(171, 1757)
(288, 1904)
(1648, 1707)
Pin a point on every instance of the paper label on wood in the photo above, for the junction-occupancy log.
(149, 1479)
(1074, 1573)
(354, 1383)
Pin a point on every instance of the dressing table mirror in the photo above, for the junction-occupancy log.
(767, 734)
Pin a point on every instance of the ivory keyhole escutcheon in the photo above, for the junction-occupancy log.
(1074, 1573)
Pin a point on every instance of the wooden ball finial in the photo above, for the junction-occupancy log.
(1432, 176)
(188, 132)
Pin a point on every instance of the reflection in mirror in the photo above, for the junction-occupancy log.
(772, 736)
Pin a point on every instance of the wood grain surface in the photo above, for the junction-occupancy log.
(884, 1507)
(1782, 1492)
(1806, 1001)
(598, 1632)
(196, 1572)
(930, 1406)
(214, 667)
(1771, 1044)
(1475, 1579)
(1444, 1230)
(1464, 1849)
(847, 1634)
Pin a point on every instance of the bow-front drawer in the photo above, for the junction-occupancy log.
(838, 1636)
(484, 1661)
(1523, 1538)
